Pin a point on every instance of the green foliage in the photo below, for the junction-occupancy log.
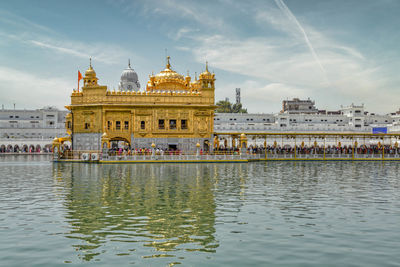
(224, 106)
(227, 107)
(237, 108)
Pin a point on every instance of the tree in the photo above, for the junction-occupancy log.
(237, 108)
(225, 106)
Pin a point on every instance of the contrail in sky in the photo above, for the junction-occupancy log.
(282, 6)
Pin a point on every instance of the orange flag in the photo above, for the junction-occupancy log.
(79, 78)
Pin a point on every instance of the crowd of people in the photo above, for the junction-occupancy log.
(270, 149)
(330, 149)
(127, 151)
(255, 149)
(25, 149)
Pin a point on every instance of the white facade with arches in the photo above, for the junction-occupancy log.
(24, 130)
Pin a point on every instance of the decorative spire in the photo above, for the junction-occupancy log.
(129, 62)
(90, 71)
(207, 66)
(187, 73)
(195, 76)
(168, 64)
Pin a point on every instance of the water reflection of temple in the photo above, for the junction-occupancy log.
(149, 209)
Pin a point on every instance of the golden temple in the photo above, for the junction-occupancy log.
(173, 112)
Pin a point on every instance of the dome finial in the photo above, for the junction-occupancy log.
(90, 71)
(129, 62)
(206, 65)
(168, 64)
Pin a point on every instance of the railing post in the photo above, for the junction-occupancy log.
(265, 148)
(198, 151)
(153, 151)
(243, 145)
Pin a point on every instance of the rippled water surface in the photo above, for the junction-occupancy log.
(257, 214)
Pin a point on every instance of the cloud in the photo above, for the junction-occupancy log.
(292, 17)
(182, 32)
(194, 11)
(264, 58)
(281, 64)
(109, 54)
(260, 47)
(281, 56)
(29, 33)
(261, 59)
(28, 90)
(257, 96)
(59, 49)
(22, 24)
(276, 92)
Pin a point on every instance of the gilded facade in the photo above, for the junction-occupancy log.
(173, 112)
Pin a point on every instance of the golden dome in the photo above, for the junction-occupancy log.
(168, 79)
(169, 74)
(90, 71)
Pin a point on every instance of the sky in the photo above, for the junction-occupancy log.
(334, 52)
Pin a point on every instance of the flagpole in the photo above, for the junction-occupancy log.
(78, 81)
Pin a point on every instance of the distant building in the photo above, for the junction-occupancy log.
(302, 116)
(30, 130)
(299, 106)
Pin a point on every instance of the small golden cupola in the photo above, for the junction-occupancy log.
(167, 79)
(90, 78)
(207, 78)
(206, 74)
(187, 79)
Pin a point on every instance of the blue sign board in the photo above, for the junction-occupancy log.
(379, 130)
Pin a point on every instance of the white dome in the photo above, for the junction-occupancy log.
(129, 80)
(129, 75)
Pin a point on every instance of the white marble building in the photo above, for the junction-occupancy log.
(30, 130)
(351, 118)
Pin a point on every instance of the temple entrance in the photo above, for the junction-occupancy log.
(119, 143)
(172, 146)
